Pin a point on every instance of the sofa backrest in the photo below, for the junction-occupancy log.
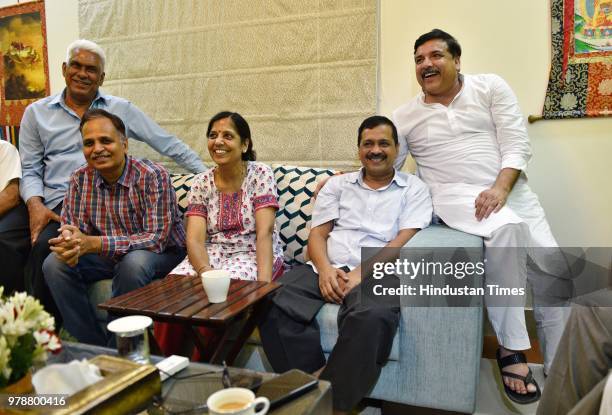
(296, 186)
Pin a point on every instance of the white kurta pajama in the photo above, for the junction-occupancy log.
(459, 150)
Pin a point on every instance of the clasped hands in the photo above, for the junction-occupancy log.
(489, 201)
(335, 283)
(69, 245)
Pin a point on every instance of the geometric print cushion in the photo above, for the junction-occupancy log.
(182, 184)
(296, 186)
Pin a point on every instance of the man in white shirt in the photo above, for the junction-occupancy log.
(10, 174)
(376, 206)
(468, 138)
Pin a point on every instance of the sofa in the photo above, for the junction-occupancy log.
(435, 358)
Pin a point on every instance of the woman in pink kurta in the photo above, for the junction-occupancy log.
(231, 216)
(230, 221)
(232, 207)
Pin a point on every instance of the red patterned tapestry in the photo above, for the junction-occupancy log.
(580, 83)
(24, 72)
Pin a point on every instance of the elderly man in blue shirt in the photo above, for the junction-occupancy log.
(377, 207)
(51, 149)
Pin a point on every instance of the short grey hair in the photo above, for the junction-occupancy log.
(87, 45)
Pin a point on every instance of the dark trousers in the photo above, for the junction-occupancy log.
(70, 284)
(14, 249)
(23, 261)
(291, 338)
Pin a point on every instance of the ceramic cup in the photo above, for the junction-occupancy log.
(132, 337)
(216, 284)
(236, 401)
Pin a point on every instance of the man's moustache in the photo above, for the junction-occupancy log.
(429, 72)
(379, 156)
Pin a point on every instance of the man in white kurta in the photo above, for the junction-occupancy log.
(468, 138)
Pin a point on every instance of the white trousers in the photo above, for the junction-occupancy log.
(512, 267)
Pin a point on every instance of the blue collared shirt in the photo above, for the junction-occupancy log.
(51, 146)
(365, 217)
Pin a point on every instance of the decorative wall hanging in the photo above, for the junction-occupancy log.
(24, 71)
(580, 83)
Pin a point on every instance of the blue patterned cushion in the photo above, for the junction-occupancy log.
(295, 188)
(182, 184)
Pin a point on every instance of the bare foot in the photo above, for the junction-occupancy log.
(522, 369)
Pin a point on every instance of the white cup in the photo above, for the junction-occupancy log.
(216, 284)
(132, 337)
(236, 401)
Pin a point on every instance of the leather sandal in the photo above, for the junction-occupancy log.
(519, 398)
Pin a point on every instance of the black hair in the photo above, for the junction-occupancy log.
(375, 121)
(94, 113)
(451, 43)
(242, 127)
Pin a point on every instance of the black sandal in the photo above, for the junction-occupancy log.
(520, 398)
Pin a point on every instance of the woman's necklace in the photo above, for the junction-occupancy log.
(231, 186)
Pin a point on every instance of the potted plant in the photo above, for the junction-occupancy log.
(26, 335)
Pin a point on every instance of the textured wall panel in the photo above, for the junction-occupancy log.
(302, 72)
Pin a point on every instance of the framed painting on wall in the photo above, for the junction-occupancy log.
(24, 72)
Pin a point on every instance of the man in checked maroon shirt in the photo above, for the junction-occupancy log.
(119, 220)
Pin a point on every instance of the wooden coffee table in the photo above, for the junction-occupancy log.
(181, 299)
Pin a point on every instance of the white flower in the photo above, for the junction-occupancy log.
(605, 87)
(22, 315)
(5, 357)
(568, 101)
(47, 339)
(42, 337)
(54, 343)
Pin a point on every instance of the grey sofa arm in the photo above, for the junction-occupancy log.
(440, 347)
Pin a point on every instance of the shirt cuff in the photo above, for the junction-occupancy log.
(322, 218)
(415, 225)
(114, 245)
(514, 161)
(265, 201)
(28, 192)
(197, 210)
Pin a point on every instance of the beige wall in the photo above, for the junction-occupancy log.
(62, 28)
(570, 169)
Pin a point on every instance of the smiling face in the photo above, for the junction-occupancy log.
(104, 148)
(437, 71)
(377, 150)
(225, 145)
(84, 75)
